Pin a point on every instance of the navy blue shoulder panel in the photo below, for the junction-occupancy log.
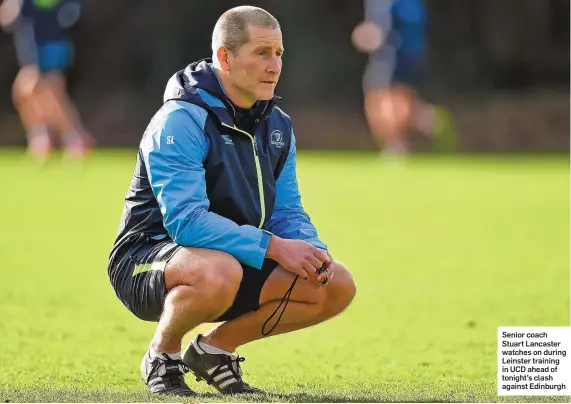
(276, 139)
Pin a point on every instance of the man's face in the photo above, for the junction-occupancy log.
(256, 66)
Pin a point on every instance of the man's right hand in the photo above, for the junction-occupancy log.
(296, 256)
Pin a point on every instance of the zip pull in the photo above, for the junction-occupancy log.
(255, 147)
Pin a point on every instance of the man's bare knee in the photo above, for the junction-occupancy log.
(215, 275)
(341, 291)
(222, 278)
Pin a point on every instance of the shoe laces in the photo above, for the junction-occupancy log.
(233, 364)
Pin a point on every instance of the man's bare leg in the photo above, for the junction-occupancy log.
(201, 285)
(211, 357)
(26, 102)
(309, 304)
(388, 112)
(62, 114)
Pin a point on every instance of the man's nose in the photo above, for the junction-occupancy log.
(275, 65)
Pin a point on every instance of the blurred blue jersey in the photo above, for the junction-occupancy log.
(409, 23)
(399, 59)
(41, 33)
(51, 19)
(403, 20)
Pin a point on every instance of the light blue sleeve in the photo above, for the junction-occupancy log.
(289, 219)
(174, 148)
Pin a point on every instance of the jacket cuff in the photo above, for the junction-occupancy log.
(263, 247)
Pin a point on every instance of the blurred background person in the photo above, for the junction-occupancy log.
(41, 37)
(394, 34)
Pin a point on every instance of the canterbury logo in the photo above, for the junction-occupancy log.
(227, 139)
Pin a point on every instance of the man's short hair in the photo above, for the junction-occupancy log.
(231, 29)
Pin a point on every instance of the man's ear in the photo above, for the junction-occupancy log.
(222, 54)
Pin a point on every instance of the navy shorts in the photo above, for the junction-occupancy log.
(48, 55)
(55, 55)
(408, 69)
(136, 272)
(387, 67)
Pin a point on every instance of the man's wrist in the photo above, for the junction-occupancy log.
(272, 251)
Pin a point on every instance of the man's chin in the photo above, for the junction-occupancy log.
(265, 95)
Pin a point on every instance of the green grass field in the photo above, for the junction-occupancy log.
(443, 250)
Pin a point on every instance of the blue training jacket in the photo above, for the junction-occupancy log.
(211, 175)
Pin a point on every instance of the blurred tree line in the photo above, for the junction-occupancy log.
(127, 50)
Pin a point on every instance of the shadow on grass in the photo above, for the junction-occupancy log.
(324, 398)
(47, 395)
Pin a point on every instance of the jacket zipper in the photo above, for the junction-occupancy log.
(258, 171)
